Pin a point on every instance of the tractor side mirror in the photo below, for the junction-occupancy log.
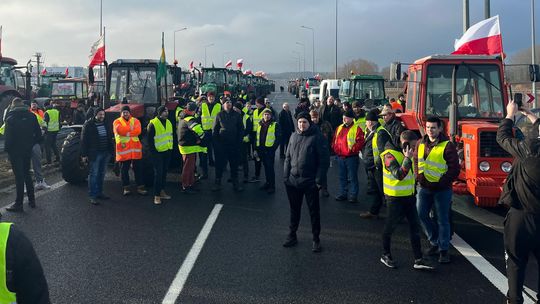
(395, 71)
(534, 72)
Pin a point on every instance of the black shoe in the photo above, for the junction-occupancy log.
(432, 250)
(264, 187)
(387, 260)
(444, 257)
(93, 201)
(422, 264)
(32, 204)
(316, 247)
(254, 179)
(15, 207)
(102, 197)
(188, 190)
(340, 198)
(353, 201)
(270, 189)
(290, 242)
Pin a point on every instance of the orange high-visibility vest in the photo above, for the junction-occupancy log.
(126, 136)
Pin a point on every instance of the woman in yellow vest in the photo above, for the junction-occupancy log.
(160, 144)
(399, 190)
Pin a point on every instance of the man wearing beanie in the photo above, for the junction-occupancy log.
(373, 175)
(348, 141)
(227, 135)
(267, 134)
(160, 144)
(96, 148)
(190, 136)
(305, 164)
(246, 143)
(129, 149)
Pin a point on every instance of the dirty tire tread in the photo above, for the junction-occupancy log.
(72, 172)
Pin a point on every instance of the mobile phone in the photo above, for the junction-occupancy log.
(518, 99)
(406, 145)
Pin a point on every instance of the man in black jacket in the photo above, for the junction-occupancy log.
(96, 147)
(247, 123)
(22, 132)
(286, 122)
(227, 135)
(331, 113)
(522, 194)
(305, 162)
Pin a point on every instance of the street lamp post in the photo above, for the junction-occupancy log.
(533, 50)
(313, 44)
(303, 46)
(205, 47)
(174, 40)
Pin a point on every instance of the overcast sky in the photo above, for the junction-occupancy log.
(264, 33)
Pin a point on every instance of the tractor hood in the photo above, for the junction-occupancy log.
(137, 110)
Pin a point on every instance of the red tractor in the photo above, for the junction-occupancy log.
(131, 82)
(469, 93)
(13, 83)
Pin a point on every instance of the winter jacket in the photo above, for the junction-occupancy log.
(186, 135)
(340, 145)
(367, 150)
(264, 130)
(301, 107)
(306, 159)
(521, 189)
(79, 117)
(452, 161)
(22, 131)
(286, 122)
(228, 128)
(395, 128)
(332, 114)
(90, 139)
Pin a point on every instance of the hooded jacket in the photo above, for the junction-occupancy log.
(306, 159)
(22, 131)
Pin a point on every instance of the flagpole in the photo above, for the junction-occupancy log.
(101, 70)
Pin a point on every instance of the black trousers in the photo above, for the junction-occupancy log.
(20, 163)
(399, 208)
(137, 170)
(227, 153)
(206, 158)
(244, 158)
(521, 238)
(267, 159)
(160, 161)
(379, 194)
(296, 197)
(284, 142)
(50, 144)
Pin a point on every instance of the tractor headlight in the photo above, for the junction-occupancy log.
(484, 166)
(506, 167)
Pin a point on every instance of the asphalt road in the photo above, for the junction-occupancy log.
(129, 251)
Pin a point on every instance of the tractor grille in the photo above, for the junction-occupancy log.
(489, 146)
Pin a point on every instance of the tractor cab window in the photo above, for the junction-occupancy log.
(478, 90)
(136, 84)
(5, 75)
(369, 89)
(345, 89)
(63, 89)
(217, 77)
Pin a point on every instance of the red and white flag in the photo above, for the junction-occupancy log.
(240, 63)
(97, 53)
(44, 71)
(248, 72)
(483, 38)
(228, 64)
(67, 71)
(191, 65)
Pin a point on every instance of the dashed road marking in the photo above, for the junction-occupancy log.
(183, 273)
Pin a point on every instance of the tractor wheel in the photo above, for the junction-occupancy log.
(5, 101)
(74, 171)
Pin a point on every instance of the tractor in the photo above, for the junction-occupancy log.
(234, 84)
(131, 82)
(362, 88)
(213, 80)
(67, 93)
(13, 83)
(469, 93)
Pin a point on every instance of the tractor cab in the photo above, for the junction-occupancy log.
(67, 94)
(362, 88)
(13, 83)
(233, 81)
(213, 80)
(469, 94)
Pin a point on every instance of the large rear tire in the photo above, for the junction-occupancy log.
(74, 170)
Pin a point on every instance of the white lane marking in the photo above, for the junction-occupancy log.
(181, 277)
(496, 278)
(40, 192)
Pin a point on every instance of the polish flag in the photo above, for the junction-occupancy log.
(191, 65)
(240, 63)
(97, 53)
(44, 71)
(67, 71)
(483, 38)
(228, 64)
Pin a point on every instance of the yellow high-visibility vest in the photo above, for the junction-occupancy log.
(351, 134)
(270, 135)
(193, 149)
(207, 118)
(257, 116)
(434, 166)
(376, 152)
(163, 140)
(6, 296)
(393, 186)
(54, 120)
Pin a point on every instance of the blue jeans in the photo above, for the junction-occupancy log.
(348, 176)
(437, 232)
(96, 173)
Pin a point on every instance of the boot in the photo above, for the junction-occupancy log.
(141, 190)
(15, 207)
(126, 190)
(217, 185)
(164, 195)
(157, 200)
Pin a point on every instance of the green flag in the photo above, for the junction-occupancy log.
(162, 67)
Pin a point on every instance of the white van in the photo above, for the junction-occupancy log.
(313, 94)
(329, 87)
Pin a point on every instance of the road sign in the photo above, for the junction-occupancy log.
(530, 98)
